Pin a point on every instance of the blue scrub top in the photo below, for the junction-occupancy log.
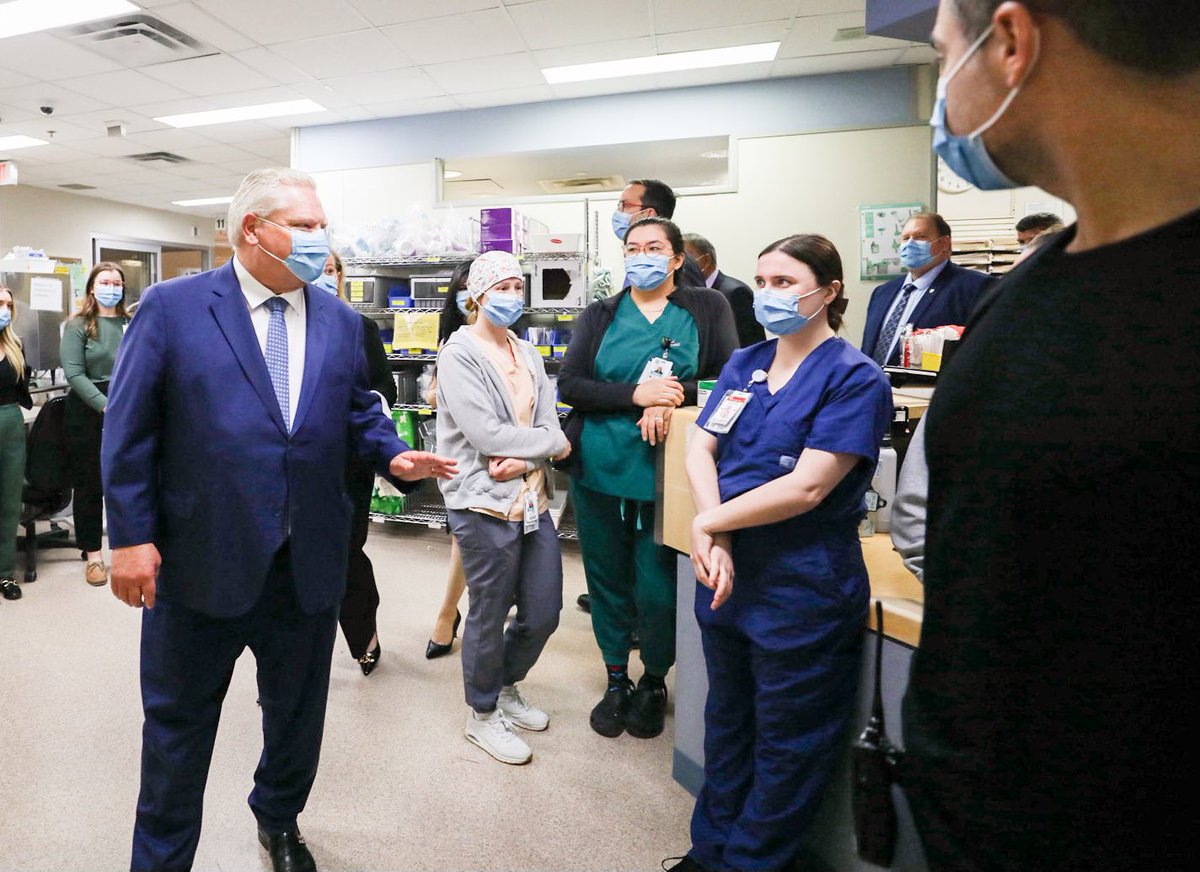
(838, 400)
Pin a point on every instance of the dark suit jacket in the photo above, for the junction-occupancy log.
(741, 300)
(949, 300)
(196, 458)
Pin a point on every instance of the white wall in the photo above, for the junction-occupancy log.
(976, 214)
(63, 224)
(363, 196)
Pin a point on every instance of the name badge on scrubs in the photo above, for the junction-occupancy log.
(531, 511)
(730, 409)
(656, 367)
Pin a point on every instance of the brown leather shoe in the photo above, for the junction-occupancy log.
(96, 573)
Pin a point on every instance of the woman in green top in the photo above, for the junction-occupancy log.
(89, 347)
(633, 359)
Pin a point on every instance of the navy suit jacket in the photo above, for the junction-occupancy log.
(196, 459)
(741, 300)
(950, 300)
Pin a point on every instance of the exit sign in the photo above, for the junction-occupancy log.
(8, 172)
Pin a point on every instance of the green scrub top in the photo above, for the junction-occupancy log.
(616, 461)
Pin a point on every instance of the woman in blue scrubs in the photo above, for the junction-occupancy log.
(780, 463)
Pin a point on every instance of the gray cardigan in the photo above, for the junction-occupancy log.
(476, 422)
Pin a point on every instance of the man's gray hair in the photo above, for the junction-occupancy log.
(261, 192)
(702, 245)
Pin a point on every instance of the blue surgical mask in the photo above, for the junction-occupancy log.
(620, 224)
(503, 310)
(460, 300)
(326, 282)
(967, 155)
(108, 295)
(310, 250)
(647, 271)
(780, 313)
(915, 253)
(5, 318)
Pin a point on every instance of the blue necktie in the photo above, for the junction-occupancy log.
(884, 345)
(277, 357)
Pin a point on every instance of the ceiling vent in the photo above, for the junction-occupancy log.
(846, 34)
(137, 40)
(582, 185)
(75, 186)
(166, 157)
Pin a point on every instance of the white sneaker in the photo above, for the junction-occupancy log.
(494, 734)
(519, 712)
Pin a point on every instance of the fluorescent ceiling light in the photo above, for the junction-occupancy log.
(242, 113)
(451, 174)
(30, 16)
(203, 201)
(11, 143)
(665, 63)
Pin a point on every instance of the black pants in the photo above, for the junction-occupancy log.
(361, 602)
(83, 427)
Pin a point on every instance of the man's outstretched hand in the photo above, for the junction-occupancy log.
(416, 465)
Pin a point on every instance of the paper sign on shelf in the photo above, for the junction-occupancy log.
(45, 294)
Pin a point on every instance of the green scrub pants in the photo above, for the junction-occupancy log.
(12, 481)
(630, 579)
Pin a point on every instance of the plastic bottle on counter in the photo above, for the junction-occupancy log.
(884, 483)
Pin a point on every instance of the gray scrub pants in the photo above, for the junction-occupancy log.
(504, 566)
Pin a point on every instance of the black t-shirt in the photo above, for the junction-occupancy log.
(1050, 711)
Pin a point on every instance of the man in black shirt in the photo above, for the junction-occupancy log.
(1050, 713)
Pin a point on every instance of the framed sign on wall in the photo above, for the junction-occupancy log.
(879, 239)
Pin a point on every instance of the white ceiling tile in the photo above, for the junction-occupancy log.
(839, 63)
(487, 74)
(174, 107)
(827, 7)
(554, 23)
(279, 94)
(344, 54)
(64, 102)
(397, 108)
(591, 53)
(471, 35)
(673, 16)
(408, 84)
(12, 79)
(122, 88)
(506, 97)
(98, 119)
(626, 85)
(272, 21)
(713, 76)
(381, 12)
(244, 131)
(721, 37)
(814, 36)
(268, 63)
(214, 74)
(917, 54)
(64, 131)
(45, 154)
(196, 22)
(45, 56)
(278, 147)
(217, 152)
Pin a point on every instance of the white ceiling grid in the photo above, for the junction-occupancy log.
(365, 59)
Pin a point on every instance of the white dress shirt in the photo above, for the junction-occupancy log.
(924, 283)
(257, 294)
(712, 278)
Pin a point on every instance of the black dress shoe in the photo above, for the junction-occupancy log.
(288, 851)
(9, 589)
(584, 602)
(437, 649)
(685, 864)
(647, 709)
(370, 660)
(608, 717)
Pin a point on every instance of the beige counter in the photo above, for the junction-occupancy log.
(902, 595)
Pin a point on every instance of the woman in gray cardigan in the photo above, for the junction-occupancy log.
(497, 419)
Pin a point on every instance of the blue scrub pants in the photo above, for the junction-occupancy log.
(783, 656)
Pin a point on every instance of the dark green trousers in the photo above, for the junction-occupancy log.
(630, 579)
(12, 481)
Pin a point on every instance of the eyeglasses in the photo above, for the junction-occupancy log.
(655, 248)
(626, 206)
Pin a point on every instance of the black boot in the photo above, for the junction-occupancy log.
(608, 717)
(648, 708)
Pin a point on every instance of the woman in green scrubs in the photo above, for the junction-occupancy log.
(633, 359)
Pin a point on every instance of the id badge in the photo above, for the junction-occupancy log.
(656, 367)
(731, 407)
(531, 511)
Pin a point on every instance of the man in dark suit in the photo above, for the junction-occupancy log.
(934, 293)
(739, 295)
(235, 397)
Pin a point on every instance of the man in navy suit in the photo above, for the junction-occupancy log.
(934, 293)
(235, 397)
